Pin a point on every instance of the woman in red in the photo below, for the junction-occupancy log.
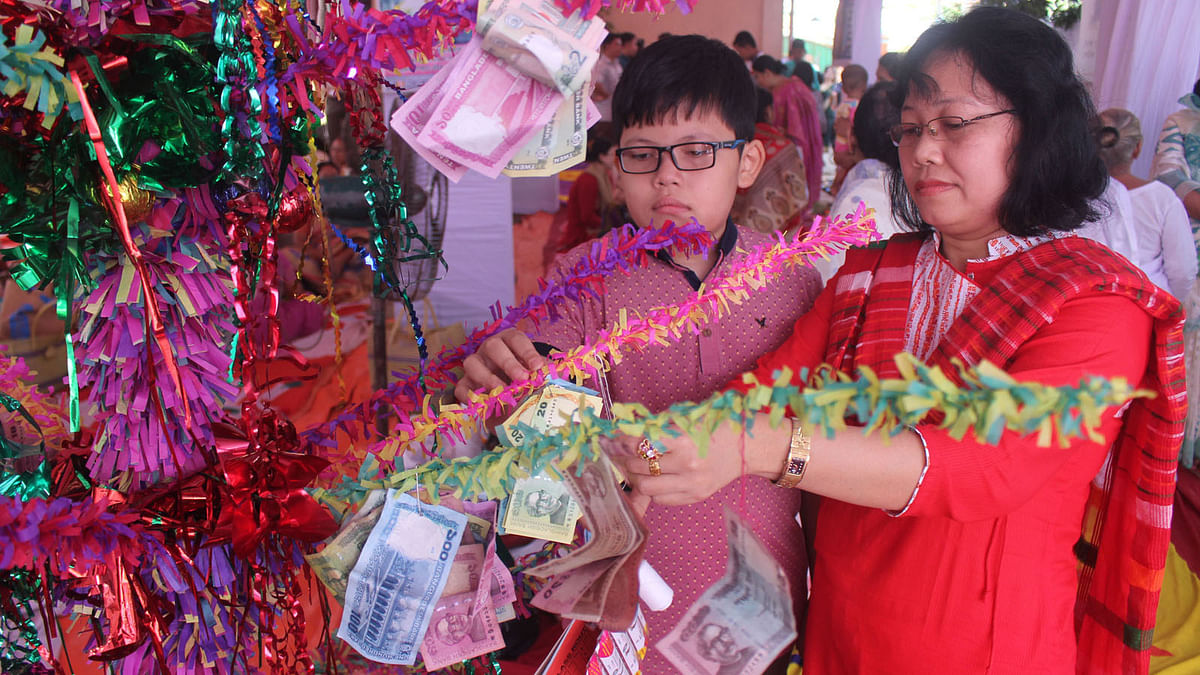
(936, 555)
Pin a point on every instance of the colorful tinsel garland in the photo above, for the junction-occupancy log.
(658, 326)
(988, 403)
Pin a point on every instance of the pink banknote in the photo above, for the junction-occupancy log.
(486, 111)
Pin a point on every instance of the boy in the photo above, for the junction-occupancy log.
(854, 85)
(692, 94)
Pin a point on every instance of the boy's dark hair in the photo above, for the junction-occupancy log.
(1056, 170)
(627, 37)
(682, 76)
(875, 116)
(744, 39)
(891, 63)
(1196, 88)
(798, 45)
(609, 39)
(766, 62)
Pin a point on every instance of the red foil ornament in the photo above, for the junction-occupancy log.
(295, 212)
(265, 479)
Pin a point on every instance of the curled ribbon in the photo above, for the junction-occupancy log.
(266, 478)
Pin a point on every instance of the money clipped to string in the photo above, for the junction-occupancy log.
(333, 564)
(516, 104)
(740, 624)
(399, 576)
(554, 405)
(542, 508)
(598, 581)
(537, 39)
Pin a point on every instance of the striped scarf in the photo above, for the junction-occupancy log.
(1123, 545)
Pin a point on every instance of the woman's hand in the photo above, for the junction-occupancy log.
(686, 477)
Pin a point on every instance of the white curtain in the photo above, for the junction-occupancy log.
(1141, 55)
(858, 37)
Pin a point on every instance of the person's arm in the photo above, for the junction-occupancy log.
(1171, 167)
(512, 354)
(1178, 249)
(960, 479)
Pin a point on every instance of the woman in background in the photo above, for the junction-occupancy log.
(594, 203)
(779, 196)
(796, 112)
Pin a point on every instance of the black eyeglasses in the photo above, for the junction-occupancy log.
(941, 128)
(690, 156)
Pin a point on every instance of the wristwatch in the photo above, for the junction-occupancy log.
(797, 459)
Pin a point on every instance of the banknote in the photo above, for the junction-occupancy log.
(399, 577)
(412, 117)
(563, 591)
(536, 38)
(741, 623)
(613, 599)
(561, 144)
(510, 432)
(486, 111)
(333, 563)
(615, 529)
(541, 508)
(501, 587)
(459, 630)
(554, 405)
(466, 570)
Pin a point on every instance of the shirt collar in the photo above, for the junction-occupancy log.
(725, 246)
(1005, 245)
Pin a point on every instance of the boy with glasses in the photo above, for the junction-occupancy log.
(684, 111)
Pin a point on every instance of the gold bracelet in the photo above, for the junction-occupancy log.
(797, 459)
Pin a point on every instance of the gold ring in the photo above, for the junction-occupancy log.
(647, 451)
(655, 469)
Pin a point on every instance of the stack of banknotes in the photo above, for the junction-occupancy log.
(541, 506)
(597, 581)
(418, 579)
(514, 100)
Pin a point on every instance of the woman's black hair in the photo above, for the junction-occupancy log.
(875, 116)
(891, 63)
(1056, 171)
(804, 71)
(681, 76)
(1196, 88)
(765, 100)
(766, 62)
(597, 146)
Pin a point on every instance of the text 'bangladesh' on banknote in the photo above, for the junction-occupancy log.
(740, 624)
(399, 578)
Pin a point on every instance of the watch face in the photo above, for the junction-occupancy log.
(795, 466)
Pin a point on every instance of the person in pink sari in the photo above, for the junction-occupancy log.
(796, 112)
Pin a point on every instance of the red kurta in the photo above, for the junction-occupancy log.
(978, 574)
